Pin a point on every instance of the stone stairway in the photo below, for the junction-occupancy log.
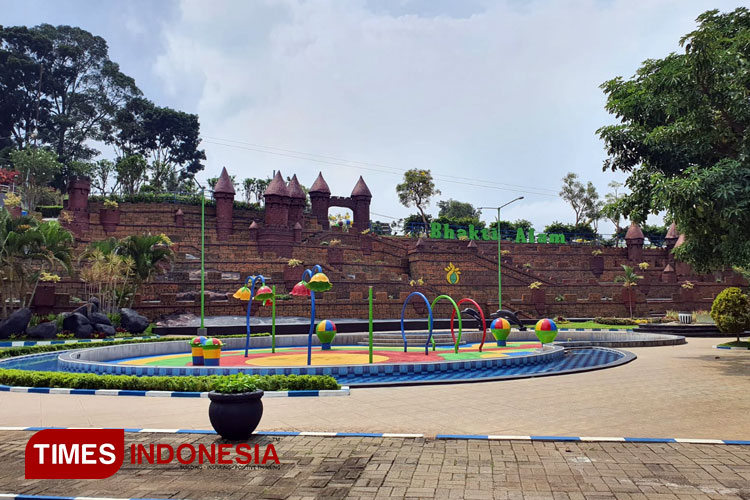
(413, 339)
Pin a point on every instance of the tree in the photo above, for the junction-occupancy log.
(168, 137)
(27, 246)
(583, 199)
(102, 172)
(584, 231)
(415, 225)
(255, 188)
(60, 90)
(37, 168)
(510, 229)
(131, 173)
(416, 190)
(612, 208)
(629, 279)
(683, 138)
(454, 209)
(731, 311)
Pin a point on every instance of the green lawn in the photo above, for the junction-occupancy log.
(734, 343)
(591, 324)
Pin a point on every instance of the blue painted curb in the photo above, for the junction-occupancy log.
(12, 496)
(344, 391)
(482, 437)
(31, 343)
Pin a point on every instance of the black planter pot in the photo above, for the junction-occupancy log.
(235, 416)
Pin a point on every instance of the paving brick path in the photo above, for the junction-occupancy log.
(330, 468)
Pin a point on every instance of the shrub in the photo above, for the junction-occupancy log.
(110, 204)
(596, 252)
(12, 200)
(615, 321)
(536, 285)
(731, 311)
(49, 211)
(29, 378)
(294, 263)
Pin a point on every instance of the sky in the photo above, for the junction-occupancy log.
(499, 99)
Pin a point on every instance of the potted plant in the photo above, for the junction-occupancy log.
(12, 203)
(688, 292)
(293, 271)
(335, 252)
(537, 294)
(236, 407)
(44, 296)
(109, 215)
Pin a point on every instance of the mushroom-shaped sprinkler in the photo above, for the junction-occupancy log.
(500, 328)
(243, 293)
(546, 331)
(326, 331)
(247, 292)
(319, 283)
(265, 295)
(300, 289)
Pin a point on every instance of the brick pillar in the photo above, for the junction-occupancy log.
(320, 199)
(361, 196)
(277, 202)
(179, 218)
(634, 240)
(78, 203)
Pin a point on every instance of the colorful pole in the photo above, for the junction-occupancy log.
(309, 274)
(273, 320)
(369, 300)
(202, 330)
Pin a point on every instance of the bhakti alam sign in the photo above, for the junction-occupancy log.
(444, 231)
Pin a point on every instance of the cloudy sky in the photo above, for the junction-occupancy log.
(498, 98)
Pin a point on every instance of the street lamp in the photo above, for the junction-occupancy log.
(499, 260)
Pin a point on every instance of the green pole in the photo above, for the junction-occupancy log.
(369, 300)
(273, 320)
(202, 330)
(499, 265)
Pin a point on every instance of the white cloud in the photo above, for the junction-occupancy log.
(507, 93)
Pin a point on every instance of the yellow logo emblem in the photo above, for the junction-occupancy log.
(454, 274)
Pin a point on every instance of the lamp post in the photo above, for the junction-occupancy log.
(499, 259)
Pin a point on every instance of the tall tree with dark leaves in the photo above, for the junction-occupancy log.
(61, 90)
(169, 138)
(684, 138)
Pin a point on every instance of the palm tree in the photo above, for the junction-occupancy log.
(629, 279)
(26, 247)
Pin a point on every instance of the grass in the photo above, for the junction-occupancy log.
(734, 343)
(591, 324)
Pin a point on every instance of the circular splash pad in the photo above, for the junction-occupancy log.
(339, 356)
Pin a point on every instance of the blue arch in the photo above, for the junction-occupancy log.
(403, 310)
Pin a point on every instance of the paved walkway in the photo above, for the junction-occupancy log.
(332, 468)
(686, 391)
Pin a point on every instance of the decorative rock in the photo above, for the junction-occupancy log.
(108, 330)
(78, 324)
(43, 331)
(132, 321)
(100, 319)
(16, 323)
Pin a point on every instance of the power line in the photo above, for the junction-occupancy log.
(373, 169)
(399, 170)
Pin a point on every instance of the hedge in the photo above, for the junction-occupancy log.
(49, 211)
(184, 199)
(28, 378)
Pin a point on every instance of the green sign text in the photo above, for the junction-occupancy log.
(444, 231)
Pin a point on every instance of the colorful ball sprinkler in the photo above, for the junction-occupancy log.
(267, 296)
(212, 352)
(313, 280)
(326, 331)
(546, 331)
(196, 348)
(500, 328)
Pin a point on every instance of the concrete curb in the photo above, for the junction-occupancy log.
(344, 391)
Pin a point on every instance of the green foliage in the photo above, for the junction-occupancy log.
(131, 173)
(81, 90)
(49, 211)
(454, 209)
(684, 139)
(731, 311)
(616, 321)
(228, 384)
(115, 319)
(416, 190)
(414, 224)
(571, 231)
(508, 230)
(583, 199)
(37, 169)
(28, 247)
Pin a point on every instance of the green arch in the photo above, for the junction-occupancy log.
(458, 313)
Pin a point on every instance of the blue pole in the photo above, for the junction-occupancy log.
(251, 280)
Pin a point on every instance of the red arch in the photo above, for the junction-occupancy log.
(481, 314)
